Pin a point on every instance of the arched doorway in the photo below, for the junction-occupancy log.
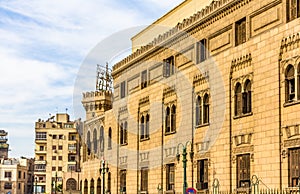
(71, 184)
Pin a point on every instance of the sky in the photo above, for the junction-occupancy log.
(43, 45)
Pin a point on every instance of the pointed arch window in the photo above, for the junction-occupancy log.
(88, 142)
(238, 100)
(123, 133)
(109, 143)
(95, 140)
(99, 185)
(85, 189)
(109, 182)
(173, 118)
(290, 83)
(101, 139)
(92, 186)
(167, 121)
(247, 107)
(206, 109)
(198, 111)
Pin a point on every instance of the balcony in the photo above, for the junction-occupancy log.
(40, 151)
(40, 162)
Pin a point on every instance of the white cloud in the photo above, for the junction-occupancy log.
(42, 46)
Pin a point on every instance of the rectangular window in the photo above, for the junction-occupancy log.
(41, 136)
(293, 9)
(60, 147)
(240, 31)
(123, 181)
(144, 179)
(42, 148)
(202, 174)
(59, 168)
(7, 185)
(123, 89)
(144, 79)
(41, 158)
(201, 50)
(19, 174)
(54, 136)
(59, 157)
(53, 168)
(40, 168)
(168, 67)
(61, 136)
(243, 170)
(294, 165)
(54, 147)
(53, 157)
(170, 177)
(7, 174)
(71, 167)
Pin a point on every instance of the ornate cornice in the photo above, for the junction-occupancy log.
(200, 20)
(200, 79)
(289, 43)
(144, 101)
(169, 91)
(241, 63)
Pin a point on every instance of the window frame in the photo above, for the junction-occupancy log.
(240, 31)
(123, 89)
(202, 174)
(170, 176)
(144, 79)
(292, 4)
(168, 66)
(144, 178)
(202, 50)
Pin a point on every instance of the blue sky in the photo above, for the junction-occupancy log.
(42, 47)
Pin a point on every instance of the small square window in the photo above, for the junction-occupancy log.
(60, 147)
(59, 157)
(53, 157)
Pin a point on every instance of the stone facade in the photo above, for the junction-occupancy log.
(223, 84)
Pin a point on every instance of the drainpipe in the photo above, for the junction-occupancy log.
(138, 152)
(279, 122)
(193, 130)
(230, 132)
(118, 154)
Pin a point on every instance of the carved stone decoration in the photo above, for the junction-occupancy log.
(291, 131)
(170, 152)
(292, 142)
(242, 139)
(243, 149)
(200, 79)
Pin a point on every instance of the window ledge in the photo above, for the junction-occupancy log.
(202, 125)
(124, 144)
(145, 139)
(170, 133)
(291, 103)
(243, 115)
(109, 148)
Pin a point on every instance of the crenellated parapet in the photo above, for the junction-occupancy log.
(96, 102)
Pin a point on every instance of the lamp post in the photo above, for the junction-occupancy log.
(184, 160)
(35, 180)
(103, 169)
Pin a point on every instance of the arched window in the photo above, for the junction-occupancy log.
(167, 121)
(173, 118)
(85, 189)
(147, 126)
(109, 138)
(238, 100)
(71, 184)
(198, 111)
(88, 142)
(101, 139)
(247, 98)
(95, 140)
(142, 126)
(99, 185)
(290, 83)
(206, 108)
(92, 187)
(121, 134)
(125, 132)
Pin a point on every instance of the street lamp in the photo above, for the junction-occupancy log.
(184, 160)
(103, 169)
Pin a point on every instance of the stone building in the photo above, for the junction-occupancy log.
(57, 155)
(221, 85)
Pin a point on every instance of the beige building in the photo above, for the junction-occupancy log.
(57, 155)
(221, 85)
(16, 176)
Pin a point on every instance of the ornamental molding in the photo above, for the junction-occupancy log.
(289, 43)
(217, 10)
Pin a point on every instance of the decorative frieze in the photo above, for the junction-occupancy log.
(292, 142)
(242, 139)
(144, 101)
(169, 91)
(241, 62)
(201, 78)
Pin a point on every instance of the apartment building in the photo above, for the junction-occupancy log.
(57, 155)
